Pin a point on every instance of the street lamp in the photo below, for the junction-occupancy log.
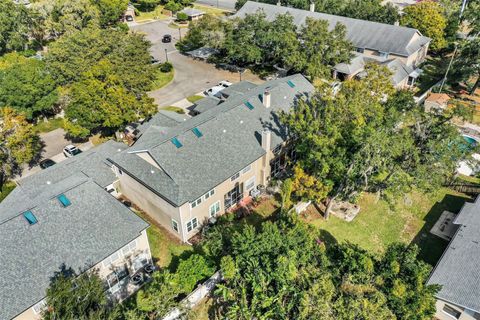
(179, 33)
(166, 55)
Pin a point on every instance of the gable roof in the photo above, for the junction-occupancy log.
(458, 269)
(230, 142)
(91, 228)
(383, 37)
(89, 164)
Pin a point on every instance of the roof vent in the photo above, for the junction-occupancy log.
(64, 200)
(176, 142)
(30, 217)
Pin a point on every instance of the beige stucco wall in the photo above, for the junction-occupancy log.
(466, 314)
(142, 246)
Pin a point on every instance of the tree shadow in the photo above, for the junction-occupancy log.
(432, 246)
(327, 238)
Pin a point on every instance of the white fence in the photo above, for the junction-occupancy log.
(196, 296)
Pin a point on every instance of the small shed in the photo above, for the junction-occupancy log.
(436, 102)
(192, 13)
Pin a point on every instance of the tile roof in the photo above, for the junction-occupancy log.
(458, 269)
(78, 236)
(383, 37)
(440, 98)
(230, 142)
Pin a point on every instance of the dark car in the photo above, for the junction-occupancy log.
(44, 164)
(167, 38)
(128, 18)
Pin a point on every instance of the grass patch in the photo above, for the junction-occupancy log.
(175, 25)
(163, 245)
(195, 98)
(212, 10)
(155, 14)
(163, 78)
(410, 220)
(174, 109)
(99, 139)
(6, 189)
(47, 126)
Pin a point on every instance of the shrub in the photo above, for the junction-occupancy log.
(182, 16)
(166, 67)
(193, 270)
(173, 6)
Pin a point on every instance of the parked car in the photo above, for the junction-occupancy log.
(70, 151)
(44, 164)
(167, 38)
(213, 91)
(225, 83)
(128, 18)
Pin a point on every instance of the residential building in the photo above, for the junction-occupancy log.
(436, 102)
(401, 49)
(65, 218)
(458, 269)
(182, 175)
(193, 14)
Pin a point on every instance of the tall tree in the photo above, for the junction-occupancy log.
(319, 49)
(19, 144)
(345, 142)
(206, 32)
(467, 63)
(76, 298)
(26, 86)
(428, 17)
(14, 26)
(472, 16)
(110, 10)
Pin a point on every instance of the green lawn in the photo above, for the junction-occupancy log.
(156, 14)
(6, 189)
(195, 98)
(163, 245)
(212, 10)
(379, 224)
(163, 78)
(174, 109)
(47, 126)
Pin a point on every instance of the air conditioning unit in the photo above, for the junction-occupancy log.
(255, 192)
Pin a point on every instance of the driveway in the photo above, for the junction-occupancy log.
(191, 76)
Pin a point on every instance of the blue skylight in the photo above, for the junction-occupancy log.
(249, 105)
(176, 142)
(197, 132)
(291, 84)
(64, 200)
(28, 215)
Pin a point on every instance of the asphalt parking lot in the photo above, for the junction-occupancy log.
(191, 76)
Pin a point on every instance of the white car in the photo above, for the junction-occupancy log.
(213, 91)
(70, 151)
(224, 84)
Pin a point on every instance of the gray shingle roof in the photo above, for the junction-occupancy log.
(206, 104)
(192, 12)
(458, 269)
(363, 34)
(239, 87)
(92, 163)
(230, 141)
(94, 226)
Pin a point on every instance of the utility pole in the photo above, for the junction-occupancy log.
(166, 55)
(464, 4)
(448, 69)
(179, 33)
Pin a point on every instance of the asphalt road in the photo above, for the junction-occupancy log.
(222, 4)
(191, 76)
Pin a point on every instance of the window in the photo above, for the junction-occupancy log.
(197, 132)
(250, 183)
(175, 225)
(209, 194)
(196, 202)
(360, 50)
(291, 84)
(246, 169)
(277, 149)
(111, 259)
(451, 311)
(176, 142)
(129, 247)
(383, 54)
(64, 200)
(192, 224)
(249, 105)
(37, 309)
(214, 209)
(235, 176)
(30, 217)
